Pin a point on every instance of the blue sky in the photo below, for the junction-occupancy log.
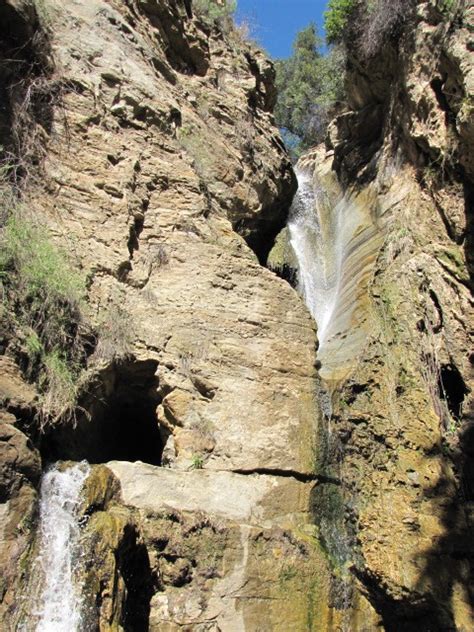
(276, 22)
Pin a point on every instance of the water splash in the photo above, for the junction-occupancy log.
(60, 602)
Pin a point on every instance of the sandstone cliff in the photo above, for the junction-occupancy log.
(139, 134)
(164, 177)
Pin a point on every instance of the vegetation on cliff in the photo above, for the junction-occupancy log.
(41, 291)
(366, 25)
(214, 10)
(311, 81)
(41, 310)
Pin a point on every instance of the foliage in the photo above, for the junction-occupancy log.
(59, 382)
(366, 24)
(446, 6)
(380, 21)
(218, 12)
(309, 84)
(42, 296)
(197, 462)
(336, 18)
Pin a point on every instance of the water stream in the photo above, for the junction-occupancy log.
(60, 602)
(321, 227)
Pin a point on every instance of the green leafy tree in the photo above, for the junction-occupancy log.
(336, 18)
(308, 84)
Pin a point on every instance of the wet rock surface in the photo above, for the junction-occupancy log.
(398, 439)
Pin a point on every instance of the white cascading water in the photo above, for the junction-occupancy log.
(330, 236)
(60, 604)
(322, 236)
(319, 252)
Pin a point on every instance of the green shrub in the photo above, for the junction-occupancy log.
(42, 296)
(446, 6)
(197, 462)
(215, 12)
(44, 270)
(336, 18)
(59, 380)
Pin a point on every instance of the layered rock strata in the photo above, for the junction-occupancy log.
(164, 177)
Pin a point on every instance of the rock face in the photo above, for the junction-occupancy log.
(252, 541)
(19, 476)
(191, 295)
(399, 363)
(219, 498)
(164, 177)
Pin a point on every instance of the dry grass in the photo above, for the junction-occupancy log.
(382, 20)
(42, 310)
(113, 334)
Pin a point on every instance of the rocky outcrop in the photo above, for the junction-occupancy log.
(19, 476)
(223, 541)
(220, 498)
(166, 181)
(392, 188)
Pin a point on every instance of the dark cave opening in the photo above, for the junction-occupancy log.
(452, 389)
(119, 422)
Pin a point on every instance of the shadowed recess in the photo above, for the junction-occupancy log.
(120, 423)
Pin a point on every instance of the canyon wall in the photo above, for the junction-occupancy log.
(397, 359)
(164, 178)
(220, 497)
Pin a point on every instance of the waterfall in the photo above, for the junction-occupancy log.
(60, 599)
(317, 251)
(322, 226)
(335, 241)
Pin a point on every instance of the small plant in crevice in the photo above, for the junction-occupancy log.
(191, 140)
(245, 32)
(158, 255)
(197, 462)
(399, 243)
(246, 132)
(288, 573)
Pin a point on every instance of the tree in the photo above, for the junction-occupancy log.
(308, 84)
(336, 18)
